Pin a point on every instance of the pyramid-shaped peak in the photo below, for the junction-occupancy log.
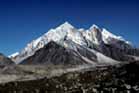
(94, 26)
(66, 25)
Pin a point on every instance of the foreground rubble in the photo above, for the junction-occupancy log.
(104, 79)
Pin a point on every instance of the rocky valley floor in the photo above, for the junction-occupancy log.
(123, 78)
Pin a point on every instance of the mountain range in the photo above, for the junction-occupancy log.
(69, 45)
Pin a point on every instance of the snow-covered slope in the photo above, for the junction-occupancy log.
(13, 55)
(93, 38)
(110, 38)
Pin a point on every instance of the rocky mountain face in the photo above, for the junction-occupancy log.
(94, 40)
(5, 60)
(54, 53)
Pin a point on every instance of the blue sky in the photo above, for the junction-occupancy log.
(24, 20)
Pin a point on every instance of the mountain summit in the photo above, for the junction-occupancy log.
(66, 25)
(95, 41)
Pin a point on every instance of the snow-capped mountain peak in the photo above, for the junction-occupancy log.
(94, 26)
(94, 36)
(65, 25)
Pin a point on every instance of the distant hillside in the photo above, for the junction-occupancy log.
(5, 60)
